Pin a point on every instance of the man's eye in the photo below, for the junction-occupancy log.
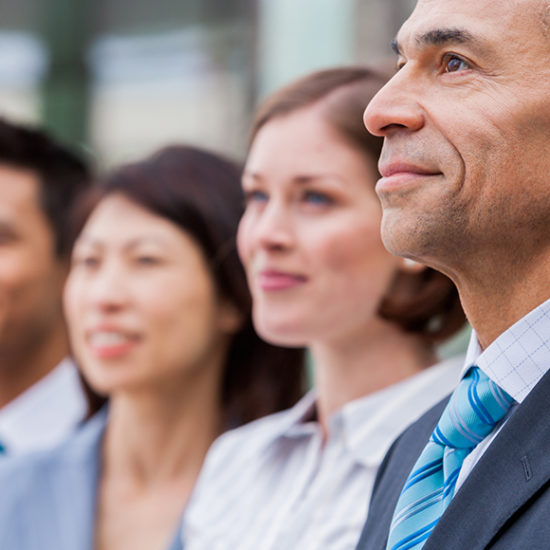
(7, 238)
(454, 64)
(147, 260)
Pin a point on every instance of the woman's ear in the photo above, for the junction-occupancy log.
(230, 319)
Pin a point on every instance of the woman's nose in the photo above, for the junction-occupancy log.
(108, 288)
(274, 229)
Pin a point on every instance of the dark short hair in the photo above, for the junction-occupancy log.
(62, 174)
(200, 192)
(426, 304)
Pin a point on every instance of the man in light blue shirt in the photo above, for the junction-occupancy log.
(41, 397)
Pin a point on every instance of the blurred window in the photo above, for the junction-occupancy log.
(187, 85)
(23, 63)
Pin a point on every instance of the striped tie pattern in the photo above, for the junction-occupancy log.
(474, 409)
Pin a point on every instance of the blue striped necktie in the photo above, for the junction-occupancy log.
(474, 409)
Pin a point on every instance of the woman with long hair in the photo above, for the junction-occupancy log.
(320, 277)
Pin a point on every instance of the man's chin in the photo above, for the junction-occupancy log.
(396, 235)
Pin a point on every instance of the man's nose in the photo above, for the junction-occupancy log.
(395, 107)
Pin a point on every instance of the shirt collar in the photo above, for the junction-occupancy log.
(46, 413)
(372, 423)
(300, 419)
(519, 357)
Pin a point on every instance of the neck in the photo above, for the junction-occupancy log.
(364, 363)
(158, 436)
(496, 296)
(21, 368)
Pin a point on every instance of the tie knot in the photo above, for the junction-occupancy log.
(474, 409)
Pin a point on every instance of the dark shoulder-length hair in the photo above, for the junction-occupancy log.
(200, 192)
(425, 303)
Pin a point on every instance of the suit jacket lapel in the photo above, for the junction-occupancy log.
(392, 475)
(513, 468)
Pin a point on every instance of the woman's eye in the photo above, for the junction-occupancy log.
(454, 64)
(315, 197)
(86, 261)
(147, 260)
(255, 195)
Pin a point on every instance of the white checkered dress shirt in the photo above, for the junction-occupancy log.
(516, 361)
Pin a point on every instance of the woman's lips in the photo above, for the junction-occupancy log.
(108, 344)
(271, 280)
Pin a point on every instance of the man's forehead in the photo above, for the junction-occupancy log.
(477, 7)
(469, 14)
(19, 187)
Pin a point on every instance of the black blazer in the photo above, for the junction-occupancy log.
(504, 504)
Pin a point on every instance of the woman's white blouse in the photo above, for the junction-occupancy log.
(273, 485)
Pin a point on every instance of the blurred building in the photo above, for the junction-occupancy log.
(124, 77)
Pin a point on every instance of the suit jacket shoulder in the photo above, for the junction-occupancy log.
(504, 503)
(48, 498)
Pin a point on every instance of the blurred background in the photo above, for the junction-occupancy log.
(121, 78)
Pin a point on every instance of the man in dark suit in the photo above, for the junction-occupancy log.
(465, 188)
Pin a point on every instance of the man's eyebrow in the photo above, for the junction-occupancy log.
(438, 37)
